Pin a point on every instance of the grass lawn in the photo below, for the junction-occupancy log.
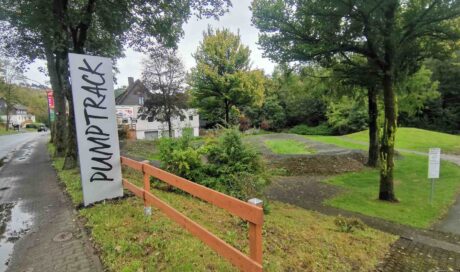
(3, 131)
(294, 239)
(418, 140)
(338, 141)
(412, 188)
(288, 147)
(146, 149)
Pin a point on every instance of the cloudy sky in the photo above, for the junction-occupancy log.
(239, 18)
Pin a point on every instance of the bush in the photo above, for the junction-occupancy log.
(322, 129)
(348, 225)
(237, 169)
(231, 167)
(181, 158)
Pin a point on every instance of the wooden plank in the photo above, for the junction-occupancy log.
(235, 206)
(255, 242)
(131, 163)
(236, 257)
(136, 190)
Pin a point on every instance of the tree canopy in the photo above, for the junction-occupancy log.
(222, 78)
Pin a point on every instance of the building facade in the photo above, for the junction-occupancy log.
(132, 99)
(19, 114)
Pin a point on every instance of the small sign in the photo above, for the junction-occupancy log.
(95, 120)
(49, 95)
(434, 161)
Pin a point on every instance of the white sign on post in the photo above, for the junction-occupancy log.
(95, 120)
(434, 161)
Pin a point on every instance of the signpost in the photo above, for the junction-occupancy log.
(434, 162)
(95, 120)
(51, 114)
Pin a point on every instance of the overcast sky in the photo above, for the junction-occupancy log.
(239, 18)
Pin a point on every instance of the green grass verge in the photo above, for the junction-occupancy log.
(338, 141)
(146, 149)
(412, 188)
(3, 131)
(418, 140)
(294, 238)
(288, 147)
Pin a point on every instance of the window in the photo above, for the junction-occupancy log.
(150, 119)
(190, 117)
(141, 100)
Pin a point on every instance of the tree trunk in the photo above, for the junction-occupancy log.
(388, 140)
(389, 127)
(59, 127)
(373, 157)
(170, 127)
(71, 154)
(227, 113)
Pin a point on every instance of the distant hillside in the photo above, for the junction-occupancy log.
(35, 101)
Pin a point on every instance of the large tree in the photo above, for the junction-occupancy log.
(164, 76)
(223, 78)
(393, 35)
(53, 28)
(10, 74)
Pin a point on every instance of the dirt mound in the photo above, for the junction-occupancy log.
(323, 164)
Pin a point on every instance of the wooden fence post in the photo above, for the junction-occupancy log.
(147, 207)
(255, 235)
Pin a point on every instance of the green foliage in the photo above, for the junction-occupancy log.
(416, 91)
(222, 78)
(347, 115)
(348, 225)
(231, 167)
(180, 157)
(237, 169)
(322, 129)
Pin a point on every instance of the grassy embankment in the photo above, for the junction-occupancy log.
(3, 131)
(412, 187)
(288, 147)
(294, 239)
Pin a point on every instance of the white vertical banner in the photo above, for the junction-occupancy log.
(95, 120)
(434, 161)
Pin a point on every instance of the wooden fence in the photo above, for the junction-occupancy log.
(249, 212)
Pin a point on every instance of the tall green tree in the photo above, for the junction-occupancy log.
(53, 28)
(223, 78)
(164, 76)
(395, 36)
(10, 74)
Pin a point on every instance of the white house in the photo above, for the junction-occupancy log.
(18, 114)
(127, 107)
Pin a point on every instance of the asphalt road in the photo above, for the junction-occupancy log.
(38, 226)
(11, 142)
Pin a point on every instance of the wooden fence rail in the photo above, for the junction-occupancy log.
(249, 212)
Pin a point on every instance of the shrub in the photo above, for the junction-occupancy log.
(237, 169)
(322, 129)
(245, 124)
(348, 225)
(230, 166)
(265, 125)
(181, 158)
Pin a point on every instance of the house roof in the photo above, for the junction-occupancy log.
(136, 88)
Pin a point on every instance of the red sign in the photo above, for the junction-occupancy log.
(50, 96)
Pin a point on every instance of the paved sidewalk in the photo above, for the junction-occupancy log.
(53, 241)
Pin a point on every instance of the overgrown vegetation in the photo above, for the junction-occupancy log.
(322, 129)
(293, 238)
(223, 163)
